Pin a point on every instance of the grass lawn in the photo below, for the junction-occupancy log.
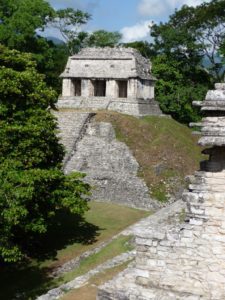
(65, 242)
(116, 247)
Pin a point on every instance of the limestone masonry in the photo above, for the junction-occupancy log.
(185, 259)
(111, 169)
(116, 79)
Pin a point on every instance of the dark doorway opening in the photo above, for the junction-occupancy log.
(77, 87)
(99, 88)
(122, 89)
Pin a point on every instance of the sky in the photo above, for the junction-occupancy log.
(130, 17)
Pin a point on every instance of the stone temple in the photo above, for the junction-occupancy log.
(117, 79)
(184, 258)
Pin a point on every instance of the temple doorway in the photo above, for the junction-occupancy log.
(122, 88)
(99, 88)
(77, 87)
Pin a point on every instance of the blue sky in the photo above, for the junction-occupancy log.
(130, 17)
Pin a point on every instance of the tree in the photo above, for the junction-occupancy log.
(20, 23)
(68, 21)
(103, 38)
(189, 44)
(99, 38)
(209, 28)
(175, 92)
(20, 20)
(192, 34)
(32, 185)
(142, 46)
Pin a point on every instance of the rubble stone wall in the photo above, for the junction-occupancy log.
(188, 258)
(109, 165)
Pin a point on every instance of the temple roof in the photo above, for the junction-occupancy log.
(115, 63)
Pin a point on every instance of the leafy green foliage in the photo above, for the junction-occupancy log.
(176, 89)
(181, 48)
(103, 38)
(142, 46)
(193, 33)
(32, 185)
(20, 24)
(20, 19)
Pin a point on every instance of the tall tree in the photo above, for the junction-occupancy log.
(32, 185)
(192, 34)
(20, 20)
(21, 23)
(175, 91)
(190, 45)
(68, 21)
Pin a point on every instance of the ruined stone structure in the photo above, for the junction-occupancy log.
(92, 148)
(116, 79)
(185, 259)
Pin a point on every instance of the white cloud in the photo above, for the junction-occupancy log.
(193, 2)
(151, 8)
(136, 32)
(155, 8)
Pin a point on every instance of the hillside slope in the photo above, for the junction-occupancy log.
(165, 149)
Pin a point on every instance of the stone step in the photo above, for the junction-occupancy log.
(70, 125)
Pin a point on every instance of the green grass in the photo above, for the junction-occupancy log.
(158, 191)
(165, 149)
(74, 237)
(116, 247)
(89, 291)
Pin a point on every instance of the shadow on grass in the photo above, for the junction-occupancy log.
(27, 280)
(66, 229)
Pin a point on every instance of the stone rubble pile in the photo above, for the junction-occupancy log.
(186, 260)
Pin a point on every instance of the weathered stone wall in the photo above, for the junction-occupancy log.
(110, 167)
(124, 286)
(130, 106)
(71, 126)
(188, 259)
(182, 261)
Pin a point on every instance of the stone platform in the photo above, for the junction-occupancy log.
(130, 106)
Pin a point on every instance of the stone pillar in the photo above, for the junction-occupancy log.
(139, 89)
(146, 89)
(152, 90)
(111, 88)
(132, 88)
(86, 88)
(67, 87)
